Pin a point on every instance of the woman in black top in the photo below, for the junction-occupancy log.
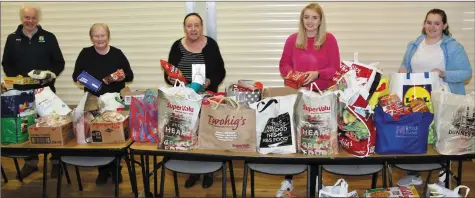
(196, 48)
(100, 61)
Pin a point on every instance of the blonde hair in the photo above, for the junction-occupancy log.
(100, 25)
(36, 8)
(321, 30)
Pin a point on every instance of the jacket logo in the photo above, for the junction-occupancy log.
(18, 39)
(41, 39)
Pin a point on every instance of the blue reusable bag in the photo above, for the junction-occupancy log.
(407, 135)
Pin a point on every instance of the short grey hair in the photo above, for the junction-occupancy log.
(36, 8)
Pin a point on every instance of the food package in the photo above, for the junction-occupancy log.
(172, 71)
(119, 75)
(419, 105)
(52, 121)
(401, 191)
(111, 116)
(295, 79)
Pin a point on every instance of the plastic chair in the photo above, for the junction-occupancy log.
(356, 170)
(271, 169)
(196, 167)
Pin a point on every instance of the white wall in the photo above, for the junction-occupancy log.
(251, 35)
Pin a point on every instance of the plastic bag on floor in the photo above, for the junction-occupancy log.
(340, 189)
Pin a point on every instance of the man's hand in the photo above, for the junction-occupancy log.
(311, 76)
(441, 73)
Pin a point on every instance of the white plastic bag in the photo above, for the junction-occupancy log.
(110, 102)
(80, 121)
(454, 120)
(48, 103)
(275, 125)
(409, 86)
(436, 190)
(340, 189)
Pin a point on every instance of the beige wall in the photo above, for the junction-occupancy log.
(251, 35)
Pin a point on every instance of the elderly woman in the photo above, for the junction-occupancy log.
(103, 61)
(196, 48)
(31, 42)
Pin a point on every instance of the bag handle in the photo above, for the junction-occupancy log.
(456, 190)
(316, 86)
(271, 101)
(343, 186)
(233, 103)
(181, 93)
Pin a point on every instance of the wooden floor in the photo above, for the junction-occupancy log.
(266, 185)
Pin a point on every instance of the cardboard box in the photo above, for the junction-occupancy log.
(20, 81)
(278, 91)
(110, 132)
(60, 135)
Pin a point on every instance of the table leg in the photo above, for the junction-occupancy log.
(385, 183)
(447, 175)
(233, 183)
(117, 166)
(320, 178)
(60, 172)
(155, 179)
(45, 172)
(162, 178)
(244, 182)
(224, 180)
(131, 168)
(459, 173)
(4, 175)
(313, 176)
(144, 174)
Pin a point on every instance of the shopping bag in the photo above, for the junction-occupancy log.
(436, 190)
(406, 135)
(81, 121)
(409, 86)
(143, 118)
(275, 125)
(48, 103)
(18, 113)
(227, 126)
(178, 120)
(316, 122)
(454, 122)
(340, 189)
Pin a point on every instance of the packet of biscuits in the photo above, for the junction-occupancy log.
(419, 105)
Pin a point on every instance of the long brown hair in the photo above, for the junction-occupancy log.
(444, 20)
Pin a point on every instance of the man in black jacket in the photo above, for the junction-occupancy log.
(28, 49)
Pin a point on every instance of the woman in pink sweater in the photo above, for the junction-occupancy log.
(312, 50)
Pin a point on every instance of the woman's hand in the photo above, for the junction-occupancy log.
(403, 70)
(441, 73)
(172, 80)
(207, 83)
(312, 75)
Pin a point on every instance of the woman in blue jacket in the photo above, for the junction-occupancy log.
(436, 51)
